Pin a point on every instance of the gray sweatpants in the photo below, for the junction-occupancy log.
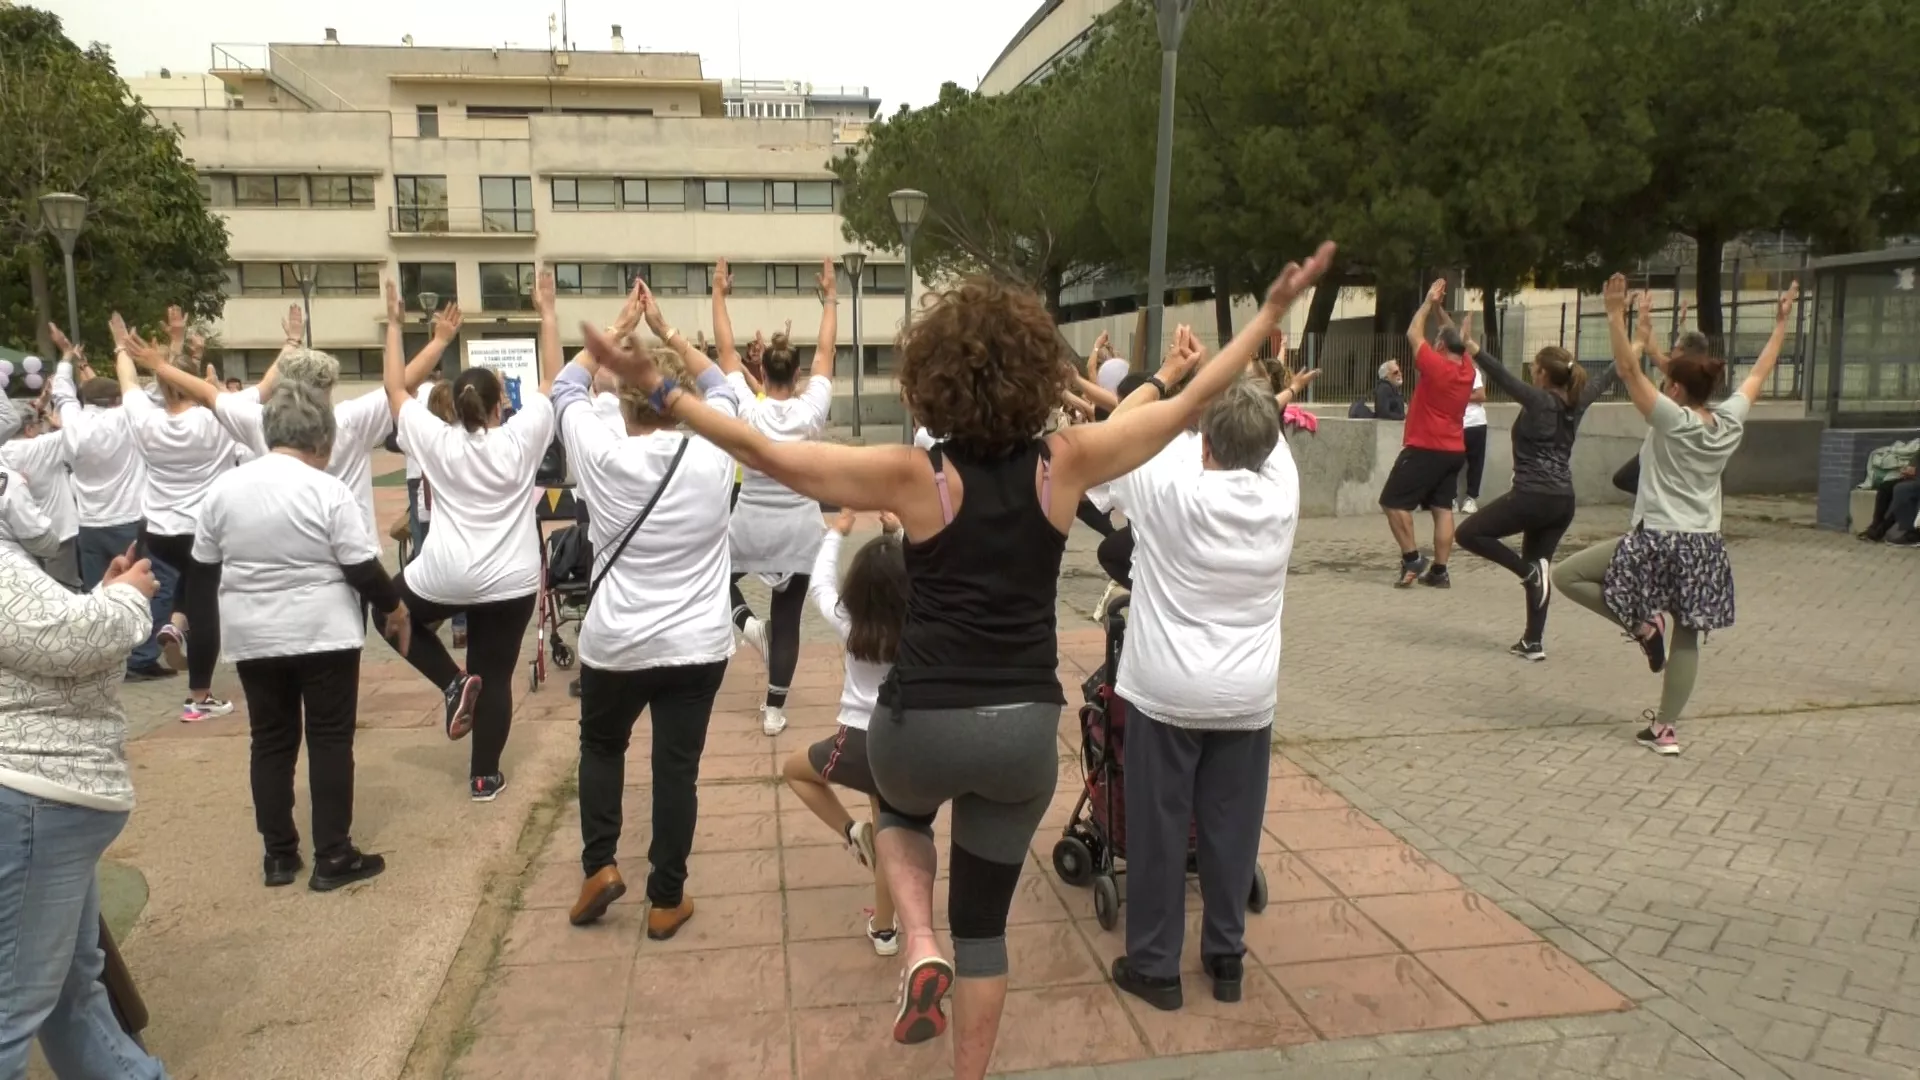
(1176, 778)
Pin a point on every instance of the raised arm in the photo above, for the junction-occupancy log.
(1496, 372)
(446, 328)
(551, 358)
(1626, 357)
(722, 321)
(200, 391)
(1770, 355)
(823, 352)
(823, 586)
(393, 367)
(693, 359)
(1417, 331)
(1099, 396)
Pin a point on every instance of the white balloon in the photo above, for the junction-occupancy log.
(31, 364)
(6, 370)
(33, 381)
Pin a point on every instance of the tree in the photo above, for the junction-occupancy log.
(68, 124)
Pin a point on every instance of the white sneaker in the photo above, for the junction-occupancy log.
(860, 843)
(1468, 506)
(772, 720)
(754, 633)
(1114, 592)
(885, 942)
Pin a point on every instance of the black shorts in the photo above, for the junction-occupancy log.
(842, 759)
(1423, 480)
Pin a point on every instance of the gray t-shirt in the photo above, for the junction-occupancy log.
(1681, 463)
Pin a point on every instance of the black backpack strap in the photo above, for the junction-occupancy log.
(639, 519)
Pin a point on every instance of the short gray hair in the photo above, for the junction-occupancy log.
(298, 417)
(1242, 426)
(311, 367)
(1693, 342)
(1388, 366)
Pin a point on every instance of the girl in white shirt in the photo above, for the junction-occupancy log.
(186, 449)
(776, 531)
(481, 557)
(868, 618)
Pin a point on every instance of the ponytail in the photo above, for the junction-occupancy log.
(476, 395)
(780, 362)
(1564, 373)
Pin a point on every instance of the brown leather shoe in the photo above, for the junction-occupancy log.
(597, 894)
(663, 923)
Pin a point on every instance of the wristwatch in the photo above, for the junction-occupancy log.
(1154, 381)
(658, 399)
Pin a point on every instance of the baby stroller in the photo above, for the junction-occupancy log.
(566, 562)
(1096, 836)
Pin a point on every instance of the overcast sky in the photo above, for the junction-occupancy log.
(902, 49)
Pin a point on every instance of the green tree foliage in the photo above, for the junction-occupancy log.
(67, 124)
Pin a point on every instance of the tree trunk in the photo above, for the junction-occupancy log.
(1055, 284)
(42, 301)
(1707, 284)
(1393, 307)
(1320, 308)
(1490, 316)
(1223, 305)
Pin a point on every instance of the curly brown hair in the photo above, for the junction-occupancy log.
(982, 367)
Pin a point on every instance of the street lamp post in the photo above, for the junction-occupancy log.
(909, 210)
(855, 263)
(305, 273)
(429, 303)
(66, 215)
(1172, 16)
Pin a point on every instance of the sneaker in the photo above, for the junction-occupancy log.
(1162, 994)
(1659, 737)
(1907, 539)
(923, 988)
(1873, 534)
(884, 942)
(1531, 651)
(860, 843)
(192, 712)
(488, 788)
(279, 870)
(1226, 973)
(1655, 645)
(461, 693)
(150, 673)
(754, 633)
(1468, 506)
(1437, 578)
(331, 874)
(1114, 592)
(173, 646)
(1410, 572)
(773, 720)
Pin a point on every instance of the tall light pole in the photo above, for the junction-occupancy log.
(855, 264)
(1172, 16)
(429, 303)
(66, 215)
(304, 273)
(909, 210)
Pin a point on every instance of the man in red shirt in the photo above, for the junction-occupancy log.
(1427, 472)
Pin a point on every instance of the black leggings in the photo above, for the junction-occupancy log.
(196, 596)
(1476, 438)
(1116, 557)
(1094, 518)
(494, 633)
(1540, 519)
(783, 631)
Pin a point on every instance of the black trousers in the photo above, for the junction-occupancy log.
(326, 687)
(1539, 519)
(1116, 557)
(197, 597)
(789, 603)
(681, 701)
(494, 633)
(1094, 518)
(1476, 458)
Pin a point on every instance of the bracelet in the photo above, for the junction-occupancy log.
(1154, 381)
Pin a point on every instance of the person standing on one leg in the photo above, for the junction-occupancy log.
(1674, 561)
(1426, 475)
(1473, 428)
(1210, 576)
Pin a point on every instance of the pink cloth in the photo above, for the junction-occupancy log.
(1296, 417)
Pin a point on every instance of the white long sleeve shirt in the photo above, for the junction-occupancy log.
(109, 475)
(861, 687)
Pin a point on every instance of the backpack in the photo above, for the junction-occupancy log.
(1360, 410)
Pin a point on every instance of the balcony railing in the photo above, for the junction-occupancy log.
(460, 221)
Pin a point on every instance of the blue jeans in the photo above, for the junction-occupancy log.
(50, 958)
(97, 547)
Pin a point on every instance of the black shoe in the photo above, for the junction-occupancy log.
(331, 874)
(1655, 645)
(1437, 578)
(150, 672)
(1410, 572)
(1874, 533)
(1910, 538)
(1225, 971)
(1162, 994)
(462, 694)
(281, 869)
(1531, 651)
(486, 788)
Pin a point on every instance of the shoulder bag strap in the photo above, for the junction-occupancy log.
(639, 519)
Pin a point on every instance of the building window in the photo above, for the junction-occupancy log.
(736, 196)
(751, 279)
(586, 194)
(803, 196)
(277, 279)
(428, 117)
(786, 279)
(506, 286)
(348, 279)
(217, 189)
(506, 204)
(878, 279)
(593, 279)
(420, 204)
(342, 191)
(268, 190)
(675, 279)
(436, 278)
(653, 194)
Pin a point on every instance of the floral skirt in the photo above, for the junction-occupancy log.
(1683, 573)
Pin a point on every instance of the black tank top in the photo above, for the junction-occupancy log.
(980, 613)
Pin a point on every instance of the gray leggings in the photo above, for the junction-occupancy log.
(998, 766)
(1582, 578)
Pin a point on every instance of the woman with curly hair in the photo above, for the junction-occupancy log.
(970, 713)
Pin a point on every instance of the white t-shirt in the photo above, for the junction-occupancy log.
(186, 452)
(282, 531)
(861, 687)
(1681, 462)
(360, 426)
(109, 475)
(796, 419)
(1209, 576)
(1476, 414)
(413, 463)
(43, 462)
(484, 545)
(665, 603)
(607, 408)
